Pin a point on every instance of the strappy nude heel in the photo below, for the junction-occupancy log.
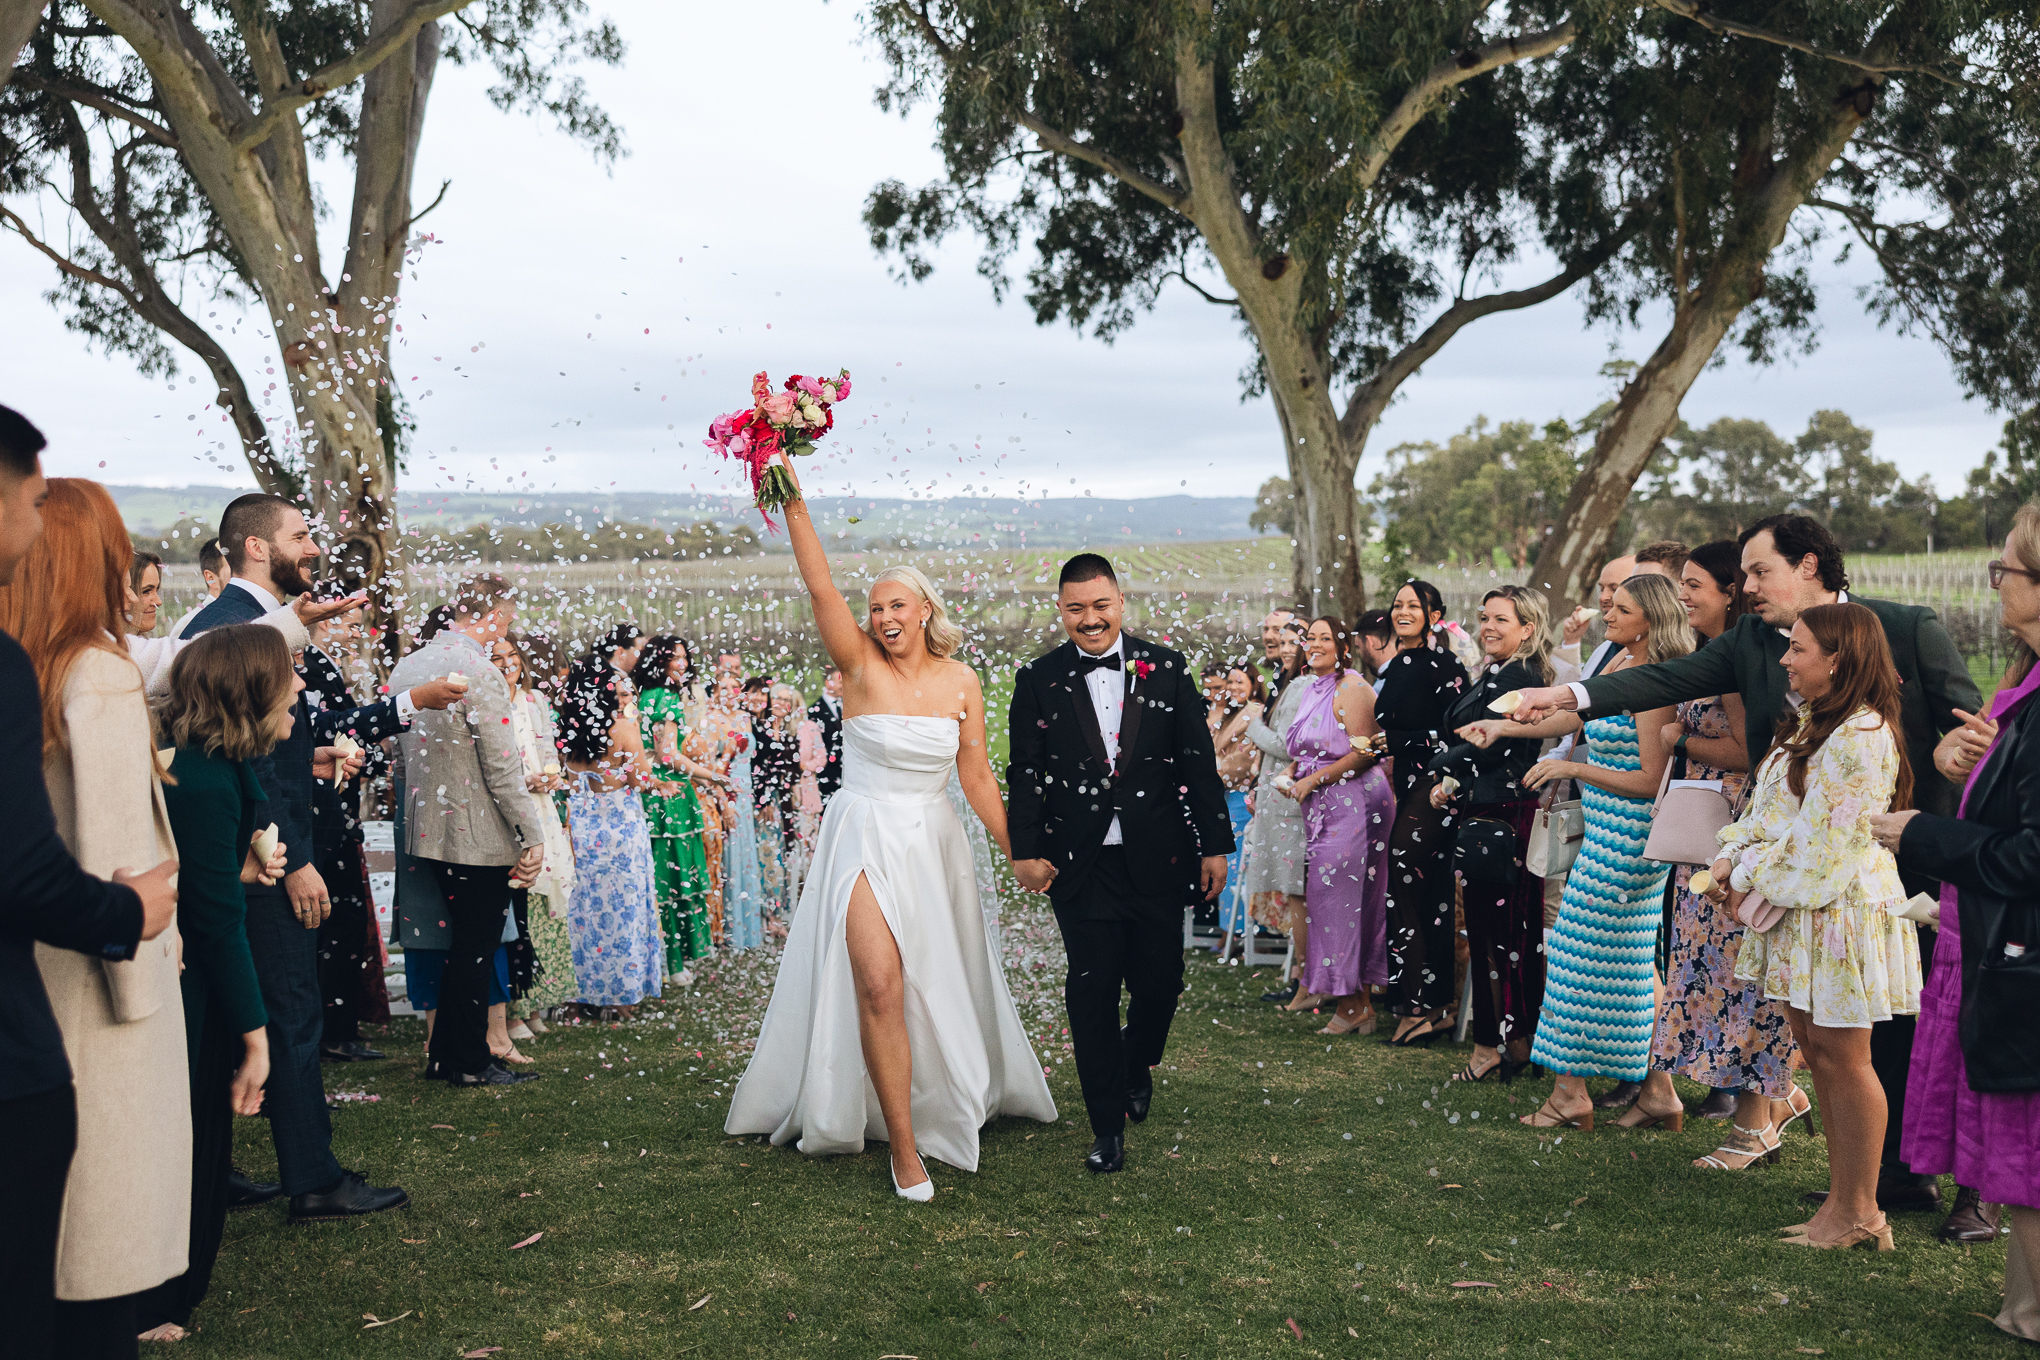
(1583, 1121)
(1752, 1145)
(1875, 1235)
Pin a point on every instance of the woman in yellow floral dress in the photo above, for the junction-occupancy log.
(1837, 957)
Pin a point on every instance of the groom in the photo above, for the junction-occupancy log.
(1117, 813)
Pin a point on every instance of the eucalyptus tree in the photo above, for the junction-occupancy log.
(184, 137)
(1902, 128)
(1350, 171)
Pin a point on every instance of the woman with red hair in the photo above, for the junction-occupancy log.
(127, 1199)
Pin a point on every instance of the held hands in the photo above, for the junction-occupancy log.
(158, 890)
(525, 872)
(1034, 874)
(440, 693)
(1888, 828)
(328, 761)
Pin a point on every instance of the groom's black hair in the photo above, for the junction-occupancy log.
(1085, 567)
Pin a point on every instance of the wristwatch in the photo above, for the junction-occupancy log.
(1679, 746)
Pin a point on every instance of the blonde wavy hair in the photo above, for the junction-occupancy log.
(1533, 611)
(1671, 632)
(943, 636)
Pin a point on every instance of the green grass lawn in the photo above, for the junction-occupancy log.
(1290, 1195)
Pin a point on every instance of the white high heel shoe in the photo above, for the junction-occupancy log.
(920, 1194)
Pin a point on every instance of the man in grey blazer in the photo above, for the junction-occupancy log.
(471, 820)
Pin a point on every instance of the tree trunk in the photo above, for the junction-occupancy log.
(18, 20)
(1648, 409)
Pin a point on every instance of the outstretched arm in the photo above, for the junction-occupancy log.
(849, 646)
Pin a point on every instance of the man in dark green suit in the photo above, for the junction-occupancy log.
(1790, 564)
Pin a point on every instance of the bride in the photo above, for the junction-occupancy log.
(888, 942)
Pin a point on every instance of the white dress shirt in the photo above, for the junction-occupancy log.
(1108, 701)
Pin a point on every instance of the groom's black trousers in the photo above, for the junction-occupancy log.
(1117, 938)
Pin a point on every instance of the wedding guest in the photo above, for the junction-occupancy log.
(1347, 809)
(46, 898)
(1272, 870)
(1613, 573)
(1236, 707)
(1600, 960)
(618, 957)
(1373, 645)
(1712, 1028)
(807, 794)
(542, 915)
(270, 547)
(214, 571)
(122, 1022)
(479, 843)
(672, 808)
(232, 695)
(145, 579)
(1419, 685)
(775, 765)
(1971, 1107)
(743, 889)
(1504, 901)
(827, 713)
(1836, 956)
(1790, 564)
(620, 646)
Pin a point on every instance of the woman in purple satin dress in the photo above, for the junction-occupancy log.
(1348, 810)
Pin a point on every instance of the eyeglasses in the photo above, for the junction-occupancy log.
(2000, 567)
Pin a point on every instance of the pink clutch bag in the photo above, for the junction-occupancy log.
(1758, 913)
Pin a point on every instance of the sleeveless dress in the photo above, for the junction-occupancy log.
(679, 864)
(1346, 828)
(618, 956)
(891, 821)
(743, 884)
(1600, 960)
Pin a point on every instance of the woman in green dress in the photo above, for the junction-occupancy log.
(672, 808)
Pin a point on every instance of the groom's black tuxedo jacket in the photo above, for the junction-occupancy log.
(1166, 793)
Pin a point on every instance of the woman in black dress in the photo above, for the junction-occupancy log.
(1418, 685)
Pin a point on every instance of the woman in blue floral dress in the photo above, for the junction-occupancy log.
(619, 956)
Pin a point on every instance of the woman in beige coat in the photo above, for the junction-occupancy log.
(127, 1201)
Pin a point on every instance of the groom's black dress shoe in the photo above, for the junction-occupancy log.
(1106, 1155)
(348, 1197)
(245, 1192)
(1138, 1098)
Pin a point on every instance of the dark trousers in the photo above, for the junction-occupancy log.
(1114, 940)
(38, 1135)
(212, 1152)
(1420, 954)
(1505, 941)
(1891, 1047)
(344, 952)
(294, 1101)
(476, 897)
(98, 1329)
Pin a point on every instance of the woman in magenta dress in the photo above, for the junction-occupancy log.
(1972, 1103)
(1348, 810)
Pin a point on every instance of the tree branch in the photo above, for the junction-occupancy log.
(1194, 286)
(1372, 397)
(286, 102)
(1110, 164)
(1697, 11)
(65, 262)
(94, 99)
(1421, 98)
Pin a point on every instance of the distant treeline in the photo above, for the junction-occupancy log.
(609, 541)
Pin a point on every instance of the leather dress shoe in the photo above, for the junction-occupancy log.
(1138, 1098)
(354, 1050)
(245, 1192)
(348, 1197)
(495, 1074)
(1971, 1220)
(1621, 1094)
(1282, 996)
(1897, 1193)
(1106, 1155)
(1718, 1105)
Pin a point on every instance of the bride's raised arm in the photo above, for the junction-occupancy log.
(850, 647)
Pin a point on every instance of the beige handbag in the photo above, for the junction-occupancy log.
(1685, 818)
(1556, 836)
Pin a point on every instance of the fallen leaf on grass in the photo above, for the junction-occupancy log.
(529, 1240)
(1809, 1350)
(479, 1352)
(374, 1321)
(1294, 1328)
(984, 1286)
(1350, 1332)
(1274, 1161)
(1020, 1253)
(1474, 1284)
(1578, 1202)
(699, 1303)
(1491, 1256)
(447, 1127)
(412, 1241)
(1451, 1185)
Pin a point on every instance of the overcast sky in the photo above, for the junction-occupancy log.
(582, 325)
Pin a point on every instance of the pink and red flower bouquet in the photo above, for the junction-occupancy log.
(792, 419)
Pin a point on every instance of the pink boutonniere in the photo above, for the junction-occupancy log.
(1143, 669)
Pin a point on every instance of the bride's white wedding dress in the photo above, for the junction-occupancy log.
(891, 821)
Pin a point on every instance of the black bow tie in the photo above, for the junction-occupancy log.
(1087, 664)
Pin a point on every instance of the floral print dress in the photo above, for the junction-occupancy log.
(1837, 953)
(1714, 1028)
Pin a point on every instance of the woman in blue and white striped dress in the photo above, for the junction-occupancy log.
(1599, 963)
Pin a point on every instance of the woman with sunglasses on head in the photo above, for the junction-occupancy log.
(1419, 684)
